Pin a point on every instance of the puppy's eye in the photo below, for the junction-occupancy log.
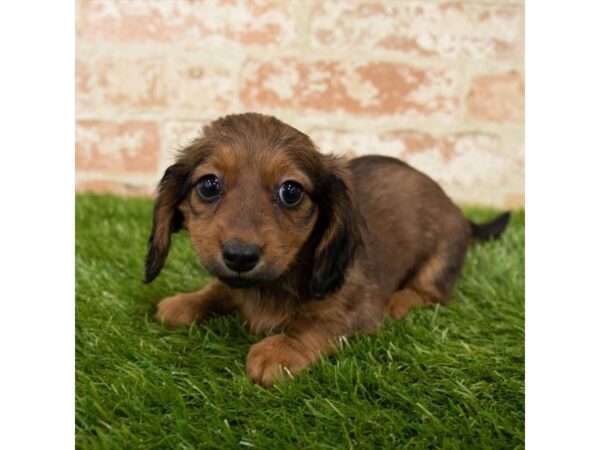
(290, 193)
(209, 187)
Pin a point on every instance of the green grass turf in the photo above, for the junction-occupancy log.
(445, 377)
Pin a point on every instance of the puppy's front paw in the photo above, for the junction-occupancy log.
(178, 311)
(275, 357)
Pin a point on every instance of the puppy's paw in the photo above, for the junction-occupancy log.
(398, 309)
(401, 302)
(178, 311)
(275, 358)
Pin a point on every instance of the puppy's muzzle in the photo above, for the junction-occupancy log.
(240, 256)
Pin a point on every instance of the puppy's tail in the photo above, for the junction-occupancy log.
(490, 230)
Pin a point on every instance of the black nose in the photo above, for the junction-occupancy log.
(240, 256)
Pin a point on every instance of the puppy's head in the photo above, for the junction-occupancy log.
(258, 201)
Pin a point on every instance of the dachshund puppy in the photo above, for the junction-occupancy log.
(307, 247)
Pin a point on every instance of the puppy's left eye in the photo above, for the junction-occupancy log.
(290, 193)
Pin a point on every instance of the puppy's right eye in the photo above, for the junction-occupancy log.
(209, 187)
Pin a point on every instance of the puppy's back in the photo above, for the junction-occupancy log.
(407, 214)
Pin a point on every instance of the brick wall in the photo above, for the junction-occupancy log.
(438, 84)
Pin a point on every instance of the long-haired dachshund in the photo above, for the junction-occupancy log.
(306, 246)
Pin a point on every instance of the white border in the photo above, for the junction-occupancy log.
(563, 226)
(37, 226)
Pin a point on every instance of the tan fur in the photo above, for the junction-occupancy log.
(370, 236)
(404, 300)
(185, 309)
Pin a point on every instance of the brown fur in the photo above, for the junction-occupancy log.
(371, 235)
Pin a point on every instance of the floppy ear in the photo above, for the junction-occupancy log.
(167, 218)
(340, 222)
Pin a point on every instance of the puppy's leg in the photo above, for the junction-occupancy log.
(404, 300)
(433, 282)
(280, 355)
(184, 309)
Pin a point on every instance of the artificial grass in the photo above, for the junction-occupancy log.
(444, 377)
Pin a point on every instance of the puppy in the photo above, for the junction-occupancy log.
(307, 247)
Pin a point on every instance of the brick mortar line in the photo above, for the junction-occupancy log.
(466, 80)
(352, 123)
(163, 160)
(133, 178)
(308, 54)
(303, 21)
(315, 120)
